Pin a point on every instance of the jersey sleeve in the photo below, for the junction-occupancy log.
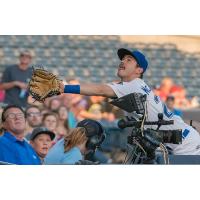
(117, 88)
(125, 88)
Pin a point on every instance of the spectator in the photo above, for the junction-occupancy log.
(72, 120)
(75, 104)
(63, 126)
(41, 141)
(194, 102)
(164, 90)
(97, 108)
(13, 148)
(14, 81)
(74, 146)
(54, 104)
(112, 110)
(170, 102)
(94, 111)
(179, 94)
(34, 119)
(50, 121)
(69, 150)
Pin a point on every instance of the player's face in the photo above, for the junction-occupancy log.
(128, 69)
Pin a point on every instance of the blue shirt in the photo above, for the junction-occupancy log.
(16, 151)
(71, 120)
(56, 155)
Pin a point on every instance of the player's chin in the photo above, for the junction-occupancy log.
(120, 74)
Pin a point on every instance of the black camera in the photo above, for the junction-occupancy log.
(163, 136)
(144, 141)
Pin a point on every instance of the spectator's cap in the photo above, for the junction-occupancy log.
(25, 53)
(139, 57)
(92, 127)
(42, 130)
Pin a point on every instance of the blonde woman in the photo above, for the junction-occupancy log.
(69, 150)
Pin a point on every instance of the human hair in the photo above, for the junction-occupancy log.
(66, 124)
(1, 130)
(7, 108)
(50, 114)
(25, 53)
(170, 98)
(75, 137)
(31, 106)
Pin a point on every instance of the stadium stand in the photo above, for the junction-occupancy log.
(86, 56)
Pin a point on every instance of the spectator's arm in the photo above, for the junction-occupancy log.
(6, 86)
(9, 85)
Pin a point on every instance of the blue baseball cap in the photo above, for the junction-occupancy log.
(139, 57)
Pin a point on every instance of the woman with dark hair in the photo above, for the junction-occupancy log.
(50, 121)
(63, 127)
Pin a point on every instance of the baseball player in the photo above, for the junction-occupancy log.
(130, 71)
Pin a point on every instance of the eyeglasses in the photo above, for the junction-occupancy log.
(14, 115)
(31, 114)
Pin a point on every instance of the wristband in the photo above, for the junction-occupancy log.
(74, 89)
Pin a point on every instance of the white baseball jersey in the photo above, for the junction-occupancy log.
(190, 137)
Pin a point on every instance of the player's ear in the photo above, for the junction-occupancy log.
(139, 70)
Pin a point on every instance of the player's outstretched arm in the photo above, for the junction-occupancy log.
(89, 89)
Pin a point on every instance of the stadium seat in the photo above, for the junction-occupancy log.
(96, 55)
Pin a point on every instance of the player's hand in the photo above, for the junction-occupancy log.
(44, 84)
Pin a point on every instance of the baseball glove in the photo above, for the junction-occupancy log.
(43, 84)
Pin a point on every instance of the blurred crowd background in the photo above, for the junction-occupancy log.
(173, 74)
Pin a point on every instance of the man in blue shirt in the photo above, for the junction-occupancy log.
(13, 148)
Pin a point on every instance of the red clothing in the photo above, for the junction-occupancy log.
(2, 95)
